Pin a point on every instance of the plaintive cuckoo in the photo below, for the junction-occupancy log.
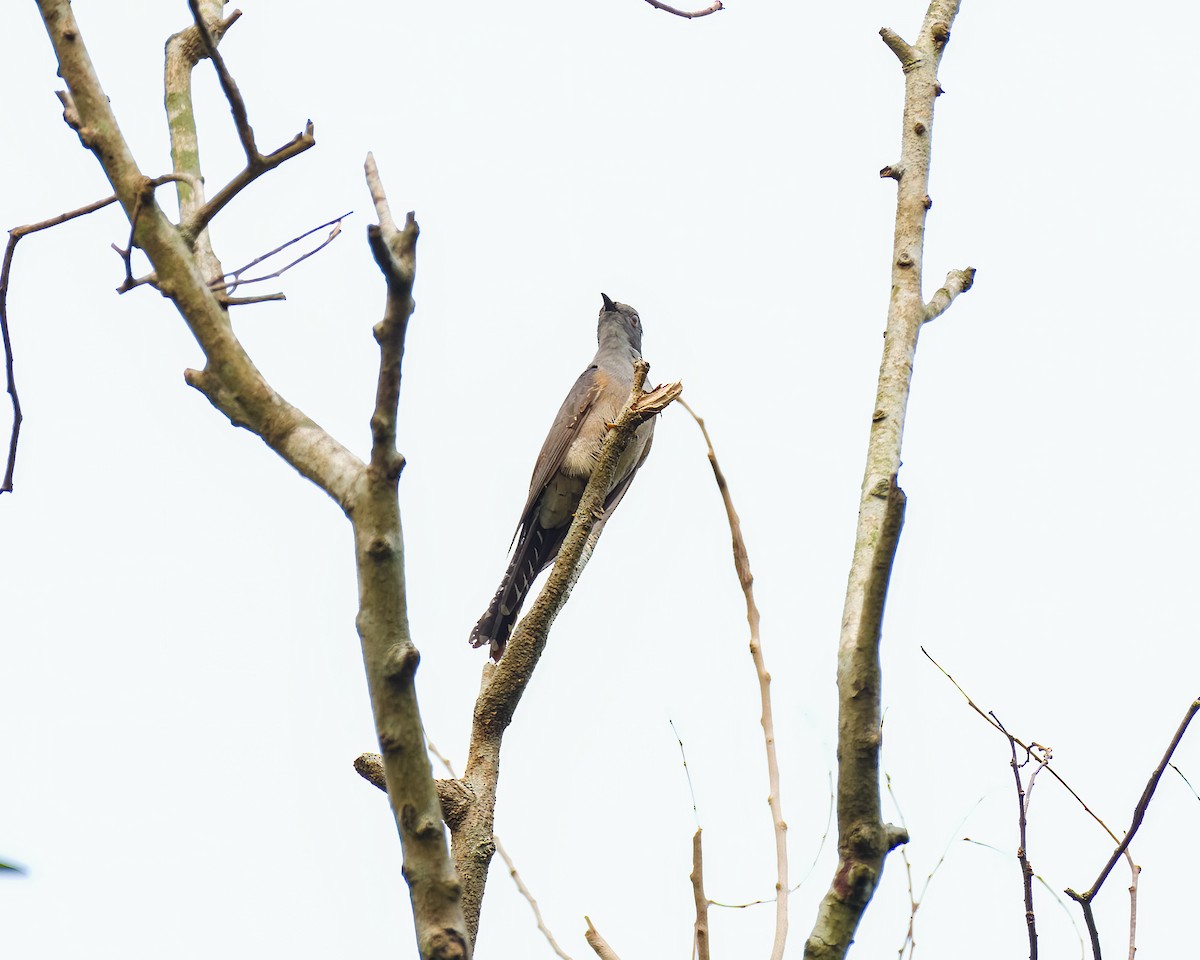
(565, 464)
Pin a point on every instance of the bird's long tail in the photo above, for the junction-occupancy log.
(536, 549)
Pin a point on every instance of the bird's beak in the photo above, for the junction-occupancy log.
(608, 304)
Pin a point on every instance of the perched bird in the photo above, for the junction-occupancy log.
(565, 465)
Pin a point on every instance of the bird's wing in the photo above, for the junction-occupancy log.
(567, 424)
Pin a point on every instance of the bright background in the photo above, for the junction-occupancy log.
(181, 690)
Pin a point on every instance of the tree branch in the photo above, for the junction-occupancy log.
(718, 5)
(741, 563)
(256, 163)
(597, 942)
(184, 51)
(14, 237)
(1022, 842)
(367, 493)
(389, 654)
(230, 380)
(701, 901)
(863, 838)
(1139, 812)
(504, 683)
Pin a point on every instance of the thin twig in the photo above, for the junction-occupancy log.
(1086, 898)
(1049, 890)
(718, 5)
(741, 562)
(1033, 748)
(1135, 872)
(687, 773)
(1022, 856)
(237, 106)
(918, 899)
(1143, 803)
(232, 280)
(14, 237)
(533, 904)
(1186, 780)
(256, 163)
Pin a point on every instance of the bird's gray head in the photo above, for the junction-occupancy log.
(619, 323)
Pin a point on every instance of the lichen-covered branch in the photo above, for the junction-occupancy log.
(504, 683)
(184, 51)
(863, 838)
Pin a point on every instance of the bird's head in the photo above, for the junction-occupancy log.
(620, 321)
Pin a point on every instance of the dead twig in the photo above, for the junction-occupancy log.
(232, 280)
(685, 14)
(741, 562)
(14, 237)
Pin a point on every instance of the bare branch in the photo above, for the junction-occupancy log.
(247, 301)
(598, 943)
(14, 237)
(1143, 803)
(904, 53)
(1033, 748)
(718, 5)
(1022, 850)
(697, 878)
(192, 226)
(533, 904)
(184, 50)
(741, 563)
(395, 253)
(237, 105)
(256, 163)
(366, 493)
(957, 281)
(232, 280)
(863, 838)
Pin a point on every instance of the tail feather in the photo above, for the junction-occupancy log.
(536, 549)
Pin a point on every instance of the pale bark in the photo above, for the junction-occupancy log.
(863, 838)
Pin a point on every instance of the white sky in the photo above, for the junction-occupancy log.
(181, 690)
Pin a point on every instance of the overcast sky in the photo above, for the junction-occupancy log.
(181, 688)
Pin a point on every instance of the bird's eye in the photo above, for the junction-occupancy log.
(635, 320)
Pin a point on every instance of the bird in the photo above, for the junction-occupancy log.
(565, 464)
